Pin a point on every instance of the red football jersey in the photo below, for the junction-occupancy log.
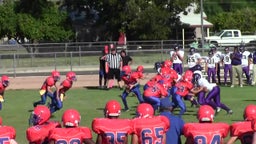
(2, 88)
(112, 130)
(6, 134)
(151, 130)
(49, 81)
(156, 90)
(39, 133)
(243, 130)
(183, 88)
(66, 85)
(70, 135)
(205, 133)
(132, 78)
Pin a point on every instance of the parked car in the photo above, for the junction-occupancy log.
(230, 37)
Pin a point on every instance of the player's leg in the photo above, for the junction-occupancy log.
(214, 75)
(42, 101)
(154, 101)
(218, 102)
(201, 98)
(218, 73)
(226, 73)
(209, 99)
(209, 74)
(136, 91)
(124, 95)
(181, 105)
(100, 78)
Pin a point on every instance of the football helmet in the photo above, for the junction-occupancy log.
(210, 53)
(126, 70)
(40, 115)
(71, 118)
(71, 76)
(205, 113)
(192, 50)
(56, 75)
(213, 48)
(140, 68)
(144, 110)
(188, 75)
(250, 112)
(226, 49)
(167, 64)
(196, 76)
(112, 108)
(164, 71)
(198, 67)
(157, 65)
(5, 80)
(176, 47)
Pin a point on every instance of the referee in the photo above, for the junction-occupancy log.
(114, 66)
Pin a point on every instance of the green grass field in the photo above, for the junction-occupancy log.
(90, 102)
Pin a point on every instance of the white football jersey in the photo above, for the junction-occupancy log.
(202, 82)
(211, 61)
(176, 58)
(227, 58)
(193, 59)
(218, 56)
(245, 58)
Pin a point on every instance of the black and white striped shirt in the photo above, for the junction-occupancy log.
(114, 60)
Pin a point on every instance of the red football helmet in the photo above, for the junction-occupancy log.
(71, 118)
(140, 68)
(188, 75)
(5, 80)
(205, 113)
(250, 112)
(40, 115)
(167, 63)
(145, 110)
(56, 75)
(71, 76)
(164, 70)
(126, 69)
(112, 108)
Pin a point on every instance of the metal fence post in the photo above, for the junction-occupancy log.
(79, 55)
(55, 61)
(14, 64)
(71, 64)
(162, 49)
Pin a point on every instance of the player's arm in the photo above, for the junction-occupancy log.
(99, 139)
(88, 141)
(196, 90)
(232, 139)
(135, 139)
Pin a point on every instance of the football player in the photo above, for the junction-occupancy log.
(71, 132)
(176, 56)
(148, 128)
(243, 130)
(211, 66)
(102, 69)
(4, 83)
(213, 95)
(205, 131)
(217, 54)
(40, 125)
(7, 134)
(46, 90)
(131, 81)
(112, 129)
(193, 59)
(245, 62)
(181, 90)
(226, 59)
(59, 94)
